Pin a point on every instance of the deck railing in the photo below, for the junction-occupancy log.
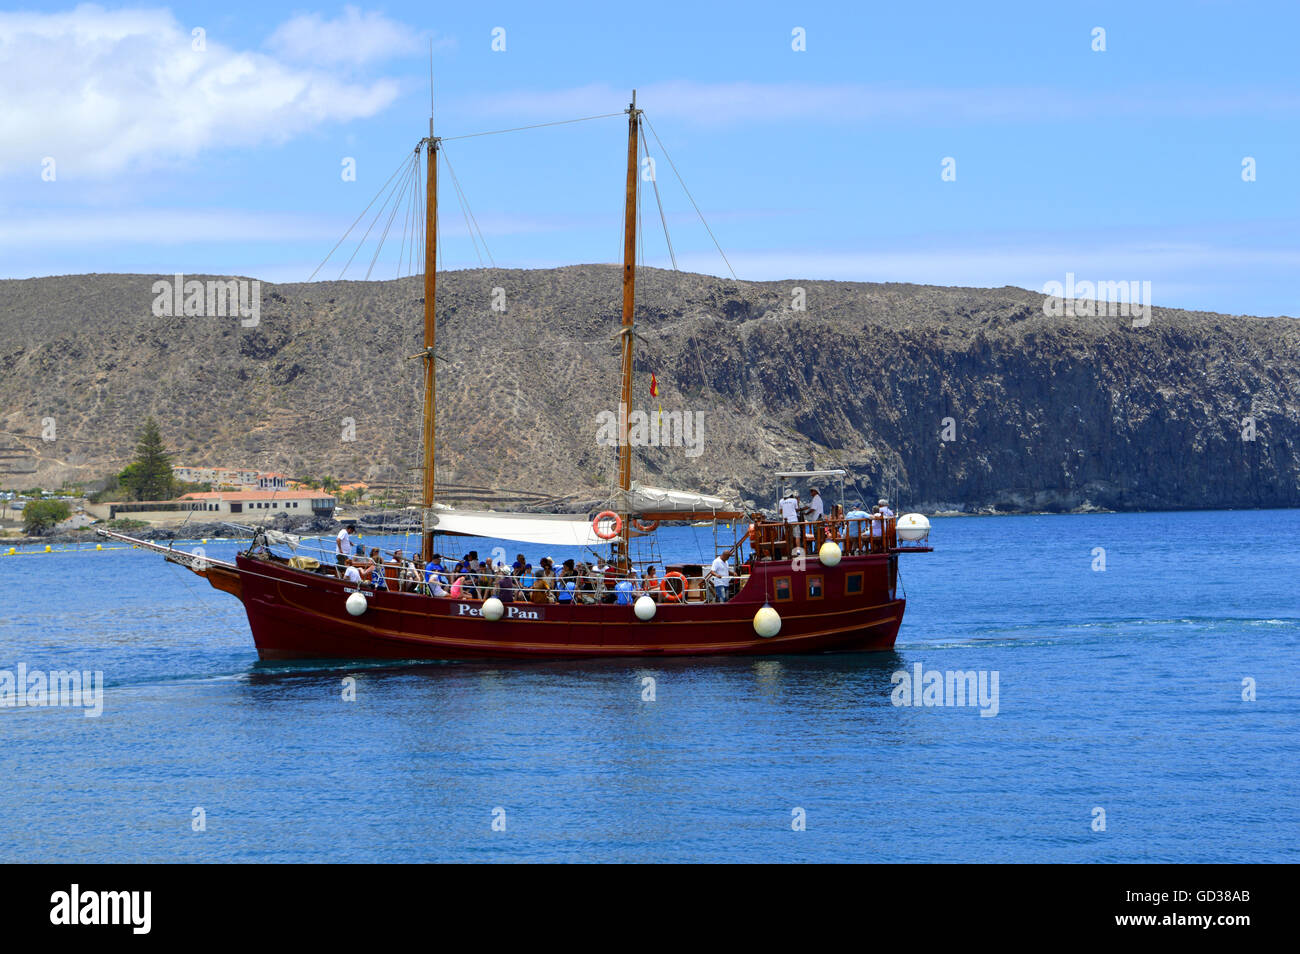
(777, 541)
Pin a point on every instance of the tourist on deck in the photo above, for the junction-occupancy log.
(461, 569)
(788, 506)
(652, 586)
(408, 576)
(343, 544)
(477, 583)
(434, 580)
(543, 588)
(609, 580)
(790, 511)
(816, 508)
(586, 589)
(720, 574)
(884, 508)
(351, 574)
(565, 590)
(505, 585)
(877, 523)
(527, 580)
(377, 578)
(623, 590)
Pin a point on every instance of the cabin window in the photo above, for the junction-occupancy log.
(781, 589)
(853, 584)
(814, 587)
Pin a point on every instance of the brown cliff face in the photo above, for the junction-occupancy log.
(1046, 413)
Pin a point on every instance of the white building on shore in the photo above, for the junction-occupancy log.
(237, 506)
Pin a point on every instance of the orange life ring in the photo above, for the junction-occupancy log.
(670, 594)
(607, 515)
(644, 526)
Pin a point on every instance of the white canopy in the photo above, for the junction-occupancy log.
(561, 530)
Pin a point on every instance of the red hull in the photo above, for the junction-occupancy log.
(295, 614)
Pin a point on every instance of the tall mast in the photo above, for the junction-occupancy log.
(430, 334)
(629, 305)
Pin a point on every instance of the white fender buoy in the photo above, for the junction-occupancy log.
(645, 608)
(493, 609)
(767, 622)
(357, 604)
(829, 553)
(912, 527)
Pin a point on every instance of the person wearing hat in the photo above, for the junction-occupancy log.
(816, 506)
(884, 508)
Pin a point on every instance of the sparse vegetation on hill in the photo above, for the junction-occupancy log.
(943, 398)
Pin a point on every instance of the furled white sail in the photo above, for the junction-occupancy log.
(650, 500)
(567, 530)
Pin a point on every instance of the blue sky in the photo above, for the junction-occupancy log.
(824, 163)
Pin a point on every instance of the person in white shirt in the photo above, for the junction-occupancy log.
(789, 507)
(816, 508)
(884, 508)
(352, 575)
(720, 573)
(343, 544)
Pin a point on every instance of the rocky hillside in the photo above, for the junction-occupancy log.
(945, 398)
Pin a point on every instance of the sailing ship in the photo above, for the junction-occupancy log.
(795, 586)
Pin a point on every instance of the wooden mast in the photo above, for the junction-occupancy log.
(430, 335)
(629, 306)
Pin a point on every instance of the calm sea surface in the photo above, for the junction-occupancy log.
(1118, 690)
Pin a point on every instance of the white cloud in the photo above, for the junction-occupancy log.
(101, 91)
(353, 38)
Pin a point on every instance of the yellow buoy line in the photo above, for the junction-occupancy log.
(48, 548)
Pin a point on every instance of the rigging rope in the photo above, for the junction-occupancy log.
(560, 122)
(399, 168)
(654, 181)
(460, 198)
(391, 193)
(468, 209)
(407, 225)
(400, 192)
(673, 166)
(468, 214)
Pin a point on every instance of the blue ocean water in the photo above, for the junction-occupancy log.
(1119, 689)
